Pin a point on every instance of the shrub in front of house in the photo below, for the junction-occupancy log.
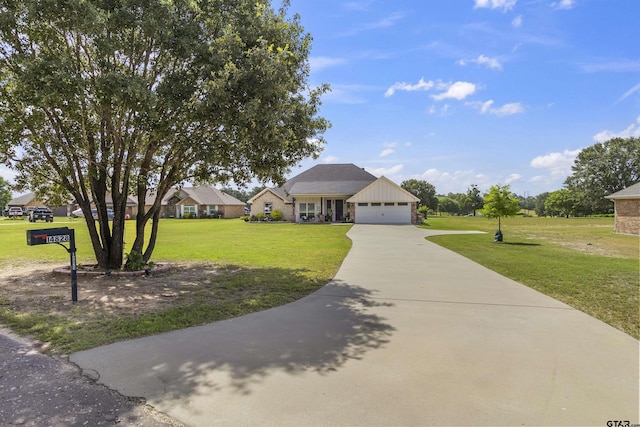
(276, 215)
(260, 216)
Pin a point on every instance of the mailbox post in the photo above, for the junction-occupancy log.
(58, 236)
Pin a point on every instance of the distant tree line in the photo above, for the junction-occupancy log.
(242, 194)
(599, 170)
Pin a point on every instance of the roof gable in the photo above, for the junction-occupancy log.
(383, 190)
(278, 192)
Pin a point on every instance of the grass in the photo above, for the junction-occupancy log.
(579, 261)
(317, 249)
(258, 266)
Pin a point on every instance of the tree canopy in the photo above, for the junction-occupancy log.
(603, 169)
(560, 203)
(500, 202)
(423, 190)
(105, 99)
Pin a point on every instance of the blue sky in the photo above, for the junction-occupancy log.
(461, 92)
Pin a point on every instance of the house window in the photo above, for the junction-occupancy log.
(307, 210)
(375, 204)
(389, 204)
(403, 204)
(268, 207)
(363, 204)
(189, 210)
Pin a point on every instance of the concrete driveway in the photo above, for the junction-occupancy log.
(408, 333)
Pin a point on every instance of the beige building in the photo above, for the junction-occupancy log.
(627, 209)
(338, 193)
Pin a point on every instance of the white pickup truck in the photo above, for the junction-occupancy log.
(15, 212)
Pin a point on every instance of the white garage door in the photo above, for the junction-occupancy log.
(382, 214)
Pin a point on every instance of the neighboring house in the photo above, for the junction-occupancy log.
(627, 209)
(29, 201)
(338, 193)
(206, 201)
(131, 208)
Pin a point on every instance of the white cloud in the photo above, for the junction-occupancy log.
(558, 164)
(318, 63)
(458, 90)
(491, 63)
(564, 4)
(628, 93)
(407, 87)
(442, 111)
(517, 22)
(506, 110)
(495, 4)
(387, 151)
(633, 130)
(456, 181)
(330, 159)
(385, 171)
(513, 178)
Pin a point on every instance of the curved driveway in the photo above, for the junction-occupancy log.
(408, 333)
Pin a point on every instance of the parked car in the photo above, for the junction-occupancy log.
(15, 212)
(94, 212)
(42, 213)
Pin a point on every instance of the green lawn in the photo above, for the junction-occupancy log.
(579, 261)
(257, 266)
(317, 249)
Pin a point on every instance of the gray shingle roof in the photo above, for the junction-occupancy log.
(339, 179)
(207, 195)
(631, 192)
(22, 200)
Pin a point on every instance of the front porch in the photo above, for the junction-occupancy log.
(321, 209)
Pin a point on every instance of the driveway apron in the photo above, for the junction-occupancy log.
(408, 333)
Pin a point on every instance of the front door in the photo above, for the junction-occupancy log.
(339, 210)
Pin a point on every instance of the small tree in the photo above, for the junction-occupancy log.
(499, 202)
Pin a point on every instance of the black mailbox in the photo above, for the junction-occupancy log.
(58, 236)
(48, 235)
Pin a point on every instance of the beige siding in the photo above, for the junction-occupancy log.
(276, 202)
(383, 190)
(232, 211)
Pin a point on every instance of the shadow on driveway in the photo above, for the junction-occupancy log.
(318, 333)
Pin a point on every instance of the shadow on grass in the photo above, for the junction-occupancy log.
(520, 244)
(318, 333)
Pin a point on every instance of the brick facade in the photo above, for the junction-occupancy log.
(627, 216)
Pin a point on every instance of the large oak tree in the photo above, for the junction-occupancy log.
(100, 99)
(603, 169)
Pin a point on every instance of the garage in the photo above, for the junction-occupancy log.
(383, 213)
(383, 202)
